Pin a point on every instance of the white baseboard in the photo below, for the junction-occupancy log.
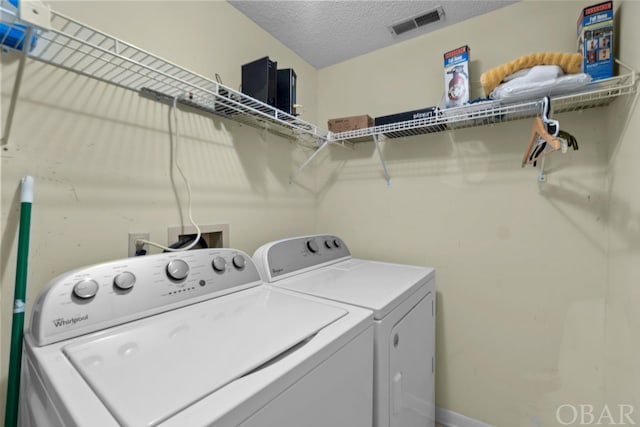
(452, 419)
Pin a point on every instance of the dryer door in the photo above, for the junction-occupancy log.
(411, 364)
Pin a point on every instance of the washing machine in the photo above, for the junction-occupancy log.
(402, 298)
(192, 339)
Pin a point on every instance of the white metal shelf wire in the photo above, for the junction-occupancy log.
(66, 43)
(596, 94)
(73, 46)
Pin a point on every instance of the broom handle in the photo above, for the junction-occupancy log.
(17, 329)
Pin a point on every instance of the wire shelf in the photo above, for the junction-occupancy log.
(73, 46)
(599, 93)
(596, 94)
(479, 114)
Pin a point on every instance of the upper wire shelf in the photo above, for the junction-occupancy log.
(76, 47)
(596, 94)
(66, 43)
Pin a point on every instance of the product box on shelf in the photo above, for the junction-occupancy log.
(456, 76)
(423, 113)
(595, 40)
(344, 124)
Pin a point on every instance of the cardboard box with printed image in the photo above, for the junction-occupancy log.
(595, 40)
(456, 77)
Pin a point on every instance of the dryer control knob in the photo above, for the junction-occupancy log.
(337, 243)
(124, 280)
(238, 262)
(219, 264)
(85, 289)
(177, 269)
(327, 244)
(312, 246)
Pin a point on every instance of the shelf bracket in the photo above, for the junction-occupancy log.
(384, 166)
(541, 175)
(308, 161)
(16, 88)
(35, 13)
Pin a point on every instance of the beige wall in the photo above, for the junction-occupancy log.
(528, 291)
(622, 383)
(100, 154)
(521, 266)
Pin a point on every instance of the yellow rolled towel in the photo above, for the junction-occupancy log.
(571, 63)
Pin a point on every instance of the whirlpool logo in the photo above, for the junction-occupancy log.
(71, 321)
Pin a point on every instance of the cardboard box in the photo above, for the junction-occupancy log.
(595, 40)
(345, 124)
(456, 76)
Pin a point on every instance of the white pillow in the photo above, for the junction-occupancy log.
(536, 73)
(520, 90)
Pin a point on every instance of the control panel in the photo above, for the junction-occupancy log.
(93, 298)
(281, 258)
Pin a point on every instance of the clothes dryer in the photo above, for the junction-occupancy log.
(402, 298)
(192, 339)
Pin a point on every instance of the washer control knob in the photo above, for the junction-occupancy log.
(124, 280)
(85, 289)
(327, 244)
(312, 246)
(219, 264)
(177, 269)
(337, 243)
(238, 262)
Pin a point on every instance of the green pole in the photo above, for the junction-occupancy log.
(17, 329)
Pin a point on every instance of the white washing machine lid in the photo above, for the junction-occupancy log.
(149, 370)
(378, 286)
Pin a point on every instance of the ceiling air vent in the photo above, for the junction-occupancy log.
(418, 21)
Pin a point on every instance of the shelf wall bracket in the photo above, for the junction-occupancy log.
(16, 88)
(35, 13)
(541, 175)
(382, 161)
(308, 161)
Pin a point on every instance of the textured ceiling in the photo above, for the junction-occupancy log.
(326, 32)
